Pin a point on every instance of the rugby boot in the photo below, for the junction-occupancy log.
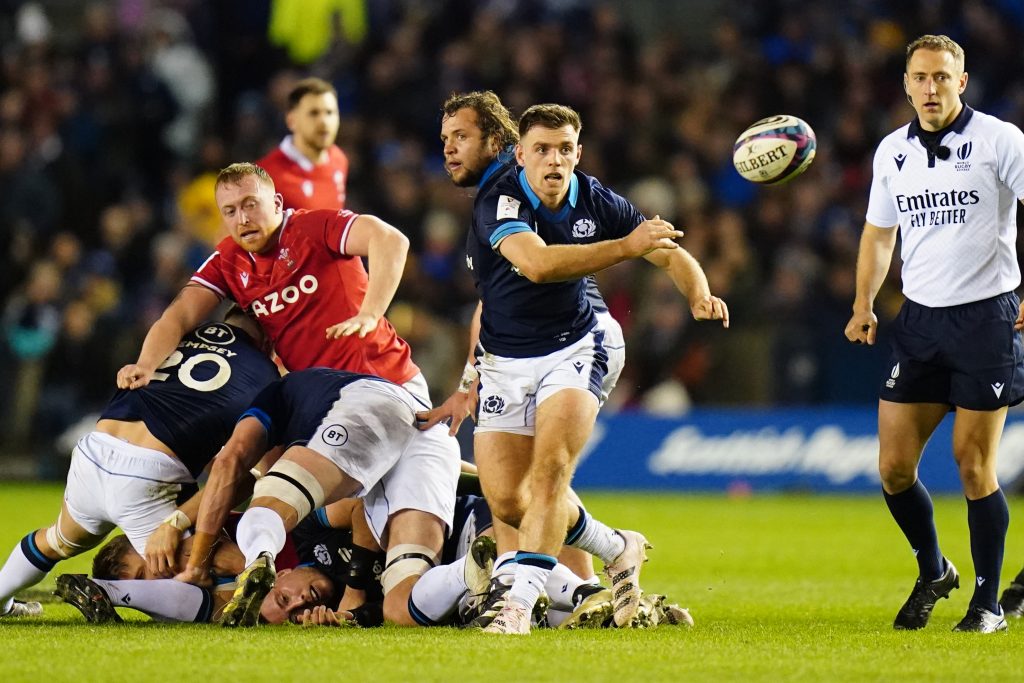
(512, 619)
(593, 611)
(20, 608)
(656, 611)
(980, 620)
(88, 598)
(254, 583)
(1012, 600)
(624, 572)
(497, 593)
(478, 568)
(918, 608)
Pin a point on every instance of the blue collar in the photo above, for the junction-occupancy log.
(573, 196)
(957, 126)
(491, 169)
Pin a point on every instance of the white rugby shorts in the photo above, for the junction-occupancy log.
(114, 483)
(512, 388)
(370, 434)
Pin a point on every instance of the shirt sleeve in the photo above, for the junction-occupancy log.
(266, 408)
(881, 207)
(619, 216)
(211, 275)
(1010, 158)
(336, 227)
(500, 215)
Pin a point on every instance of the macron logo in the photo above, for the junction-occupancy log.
(899, 159)
(998, 388)
(245, 279)
(981, 580)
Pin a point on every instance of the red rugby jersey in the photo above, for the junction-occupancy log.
(303, 184)
(303, 285)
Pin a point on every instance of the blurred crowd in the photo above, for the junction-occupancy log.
(115, 116)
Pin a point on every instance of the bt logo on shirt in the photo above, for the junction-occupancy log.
(274, 302)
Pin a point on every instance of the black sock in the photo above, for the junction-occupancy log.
(987, 518)
(912, 510)
(584, 591)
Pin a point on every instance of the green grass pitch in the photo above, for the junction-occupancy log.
(781, 587)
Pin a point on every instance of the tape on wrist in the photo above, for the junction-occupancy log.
(179, 520)
(469, 375)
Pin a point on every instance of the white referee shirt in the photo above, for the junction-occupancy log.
(958, 218)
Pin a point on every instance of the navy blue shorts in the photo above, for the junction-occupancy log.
(968, 356)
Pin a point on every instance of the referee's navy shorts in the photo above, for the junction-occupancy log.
(967, 356)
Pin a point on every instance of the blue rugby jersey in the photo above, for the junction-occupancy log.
(195, 397)
(522, 319)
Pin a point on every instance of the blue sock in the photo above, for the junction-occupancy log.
(988, 519)
(913, 512)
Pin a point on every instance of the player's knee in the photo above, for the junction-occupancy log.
(396, 607)
(293, 485)
(896, 475)
(977, 479)
(508, 507)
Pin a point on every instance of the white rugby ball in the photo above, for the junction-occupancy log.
(774, 150)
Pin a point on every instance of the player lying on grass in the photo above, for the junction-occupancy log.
(321, 560)
(147, 446)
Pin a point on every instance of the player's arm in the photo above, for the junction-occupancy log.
(246, 446)
(385, 249)
(541, 262)
(689, 278)
(462, 403)
(367, 556)
(193, 304)
(162, 545)
(873, 259)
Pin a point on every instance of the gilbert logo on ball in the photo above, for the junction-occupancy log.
(774, 150)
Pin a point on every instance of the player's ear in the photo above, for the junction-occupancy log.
(520, 158)
(963, 83)
(289, 120)
(278, 202)
(579, 152)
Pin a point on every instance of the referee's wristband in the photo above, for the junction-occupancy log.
(179, 520)
(469, 375)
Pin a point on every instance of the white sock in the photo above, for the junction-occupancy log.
(437, 592)
(561, 585)
(505, 567)
(528, 584)
(600, 540)
(260, 530)
(19, 572)
(162, 599)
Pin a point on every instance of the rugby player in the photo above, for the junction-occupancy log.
(538, 232)
(147, 447)
(308, 168)
(300, 275)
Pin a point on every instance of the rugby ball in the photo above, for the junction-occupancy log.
(774, 150)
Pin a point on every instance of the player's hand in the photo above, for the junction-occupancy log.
(711, 308)
(1018, 324)
(361, 324)
(454, 411)
(162, 551)
(197, 576)
(322, 615)
(862, 328)
(652, 234)
(133, 377)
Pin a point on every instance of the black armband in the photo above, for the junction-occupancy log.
(365, 568)
(369, 614)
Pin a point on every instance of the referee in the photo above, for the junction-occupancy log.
(950, 181)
